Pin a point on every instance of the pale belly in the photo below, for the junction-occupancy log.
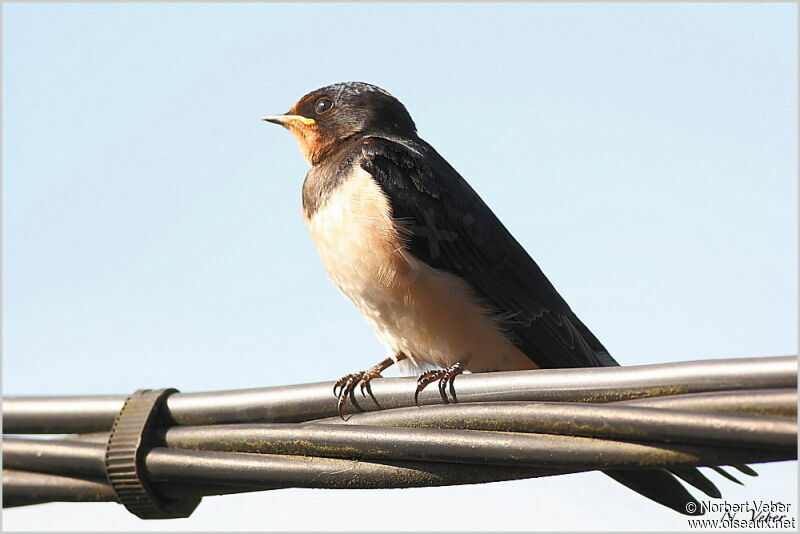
(429, 315)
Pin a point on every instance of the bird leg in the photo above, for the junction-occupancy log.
(444, 376)
(348, 383)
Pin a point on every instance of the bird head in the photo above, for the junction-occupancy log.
(324, 118)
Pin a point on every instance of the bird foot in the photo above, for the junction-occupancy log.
(444, 376)
(348, 383)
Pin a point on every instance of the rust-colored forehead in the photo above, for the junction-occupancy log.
(308, 100)
(303, 102)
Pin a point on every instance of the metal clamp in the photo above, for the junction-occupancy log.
(133, 434)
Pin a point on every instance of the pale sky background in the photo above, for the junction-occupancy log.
(645, 155)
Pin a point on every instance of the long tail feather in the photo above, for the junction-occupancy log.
(660, 486)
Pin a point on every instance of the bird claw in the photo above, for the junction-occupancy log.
(348, 383)
(444, 376)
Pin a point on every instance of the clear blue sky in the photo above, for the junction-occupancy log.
(645, 154)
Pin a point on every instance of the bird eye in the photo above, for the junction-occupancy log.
(323, 104)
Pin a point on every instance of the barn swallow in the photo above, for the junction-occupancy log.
(431, 267)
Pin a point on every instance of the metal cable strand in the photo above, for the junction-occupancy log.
(459, 446)
(629, 422)
(764, 403)
(505, 426)
(417, 444)
(266, 470)
(23, 488)
(66, 415)
(759, 402)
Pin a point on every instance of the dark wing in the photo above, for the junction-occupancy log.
(452, 229)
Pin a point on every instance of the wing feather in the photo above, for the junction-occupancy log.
(451, 228)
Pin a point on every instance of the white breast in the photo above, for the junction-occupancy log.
(431, 316)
